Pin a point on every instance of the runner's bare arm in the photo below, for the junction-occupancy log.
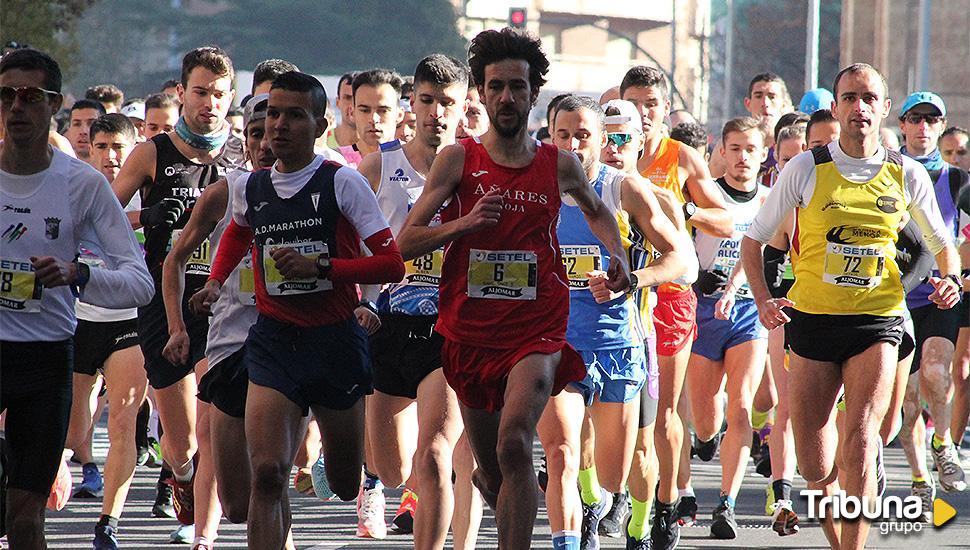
(669, 204)
(209, 209)
(711, 216)
(370, 168)
(416, 237)
(572, 181)
(139, 166)
(648, 215)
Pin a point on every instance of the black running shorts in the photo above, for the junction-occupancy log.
(153, 329)
(403, 351)
(837, 338)
(226, 384)
(95, 341)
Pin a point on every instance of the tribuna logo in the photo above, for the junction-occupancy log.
(843, 506)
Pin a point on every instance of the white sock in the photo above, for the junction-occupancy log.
(688, 492)
(187, 477)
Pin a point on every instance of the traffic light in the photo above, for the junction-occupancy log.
(517, 18)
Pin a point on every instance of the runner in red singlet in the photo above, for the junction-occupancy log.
(504, 301)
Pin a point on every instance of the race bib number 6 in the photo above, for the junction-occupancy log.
(853, 266)
(277, 285)
(20, 290)
(502, 274)
(580, 260)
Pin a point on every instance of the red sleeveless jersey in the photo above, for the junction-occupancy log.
(505, 287)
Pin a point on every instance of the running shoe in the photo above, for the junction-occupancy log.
(723, 525)
(201, 543)
(61, 488)
(154, 453)
(612, 524)
(141, 455)
(164, 506)
(784, 521)
(592, 514)
(948, 467)
(542, 475)
(880, 469)
(687, 510)
(183, 534)
(706, 450)
(769, 500)
(183, 497)
(404, 517)
(303, 481)
(927, 494)
(370, 513)
(321, 485)
(105, 537)
(665, 531)
(92, 484)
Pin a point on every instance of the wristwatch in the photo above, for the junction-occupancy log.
(369, 305)
(634, 283)
(323, 266)
(956, 280)
(689, 210)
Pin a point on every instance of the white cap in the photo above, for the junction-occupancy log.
(628, 114)
(135, 109)
(255, 108)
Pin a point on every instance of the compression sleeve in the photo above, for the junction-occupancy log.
(384, 266)
(233, 245)
(920, 261)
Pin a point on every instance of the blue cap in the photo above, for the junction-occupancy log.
(917, 98)
(815, 99)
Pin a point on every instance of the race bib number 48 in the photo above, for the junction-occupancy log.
(277, 285)
(424, 270)
(502, 274)
(853, 266)
(580, 260)
(20, 290)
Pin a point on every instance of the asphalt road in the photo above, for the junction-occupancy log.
(329, 525)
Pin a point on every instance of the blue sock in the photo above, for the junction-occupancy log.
(566, 540)
(728, 501)
(371, 481)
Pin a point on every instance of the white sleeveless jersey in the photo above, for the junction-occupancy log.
(89, 254)
(235, 310)
(715, 253)
(400, 187)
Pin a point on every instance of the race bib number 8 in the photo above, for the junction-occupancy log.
(20, 291)
(853, 266)
(200, 262)
(502, 274)
(247, 282)
(580, 260)
(424, 270)
(277, 285)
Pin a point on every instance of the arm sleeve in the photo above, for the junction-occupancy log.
(923, 206)
(126, 283)
(794, 188)
(920, 260)
(384, 266)
(233, 245)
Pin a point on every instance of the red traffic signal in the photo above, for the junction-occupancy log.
(517, 17)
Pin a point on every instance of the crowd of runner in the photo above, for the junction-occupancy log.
(262, 297)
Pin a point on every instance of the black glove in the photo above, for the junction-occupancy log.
(709, 282)
(165, 212)
(774, 266)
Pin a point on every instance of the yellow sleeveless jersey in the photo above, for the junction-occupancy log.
(843, 250)
(664, 172)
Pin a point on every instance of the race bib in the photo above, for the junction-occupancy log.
(200, 262)
(853, 266)
(277, 285)
(247, 282)
(424, 270)
(502, 274)
(20, 291)
(580, 260)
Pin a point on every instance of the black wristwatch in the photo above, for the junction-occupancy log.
(689, 210)
(323, 266)
(956, 280)
(634, 283)
(369, 305)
